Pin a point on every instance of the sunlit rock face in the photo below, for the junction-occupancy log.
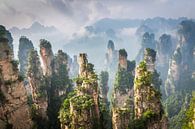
(182, 65)
(148, 41)
(86, 71)
(122, 97)
(46, 57)
(25, 46)
(37, 85)
(147, 104)
(14, 110)
(83, 106)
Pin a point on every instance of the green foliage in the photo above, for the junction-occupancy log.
(104, 76)
(131, 65)
(152, 53)
(81, 102)
(156, 81)
(45, 44)
(123, 52)
(141, 123)
(124, 78)
(90, 67)
(145, 78)
(175, 107)
(187, 121)
(148, 114)
(15, 64)
(61, 80)
(21, 77)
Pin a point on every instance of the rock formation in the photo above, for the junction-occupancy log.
(182, 65)
(111, 56)
(61, 85)
(122, 101)
(6, 34)
(25, 46)
(46, 56)
(104, 76)
(105, 116)
(164, 51)
(38, 90)
(148, 41)
(81, 108)
(14, 110)
(148, 108)
(74, 69)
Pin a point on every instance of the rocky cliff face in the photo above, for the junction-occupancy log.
(81, 108)
(60, 73)
(38, 89)
(148, 108)
(181, 69)
(122, 105)
(6, 34)
(104, 76)
(14, 110)
(46, 56)
(25, 46)
(164, 51)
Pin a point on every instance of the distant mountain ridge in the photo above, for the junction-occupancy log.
(36, 27)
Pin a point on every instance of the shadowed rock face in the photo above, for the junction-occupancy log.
(5, 34)
(37, 85)
(25, 46)
(148, 41)
(122, 104)
(83, 106)
(111, 56)
(150, 58)
(164, 52)
(182, 64)
(46, 56)
(14, 110)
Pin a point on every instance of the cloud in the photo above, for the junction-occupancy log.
(70, 16)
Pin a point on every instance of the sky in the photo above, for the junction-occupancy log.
(70, 16)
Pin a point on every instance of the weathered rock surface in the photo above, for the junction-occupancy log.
(81, 110)
(37, 85)
(14, 110)
(25, 46)
(122, 105)
(148, 108)
(46, 57)
(182, 64)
